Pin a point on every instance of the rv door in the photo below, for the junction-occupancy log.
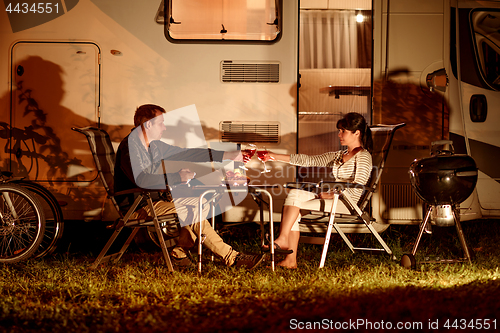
(54, 86)
(478, 42)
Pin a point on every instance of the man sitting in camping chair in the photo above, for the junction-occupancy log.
(138, 158)
(353, 165)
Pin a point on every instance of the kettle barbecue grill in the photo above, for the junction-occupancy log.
(442, 181)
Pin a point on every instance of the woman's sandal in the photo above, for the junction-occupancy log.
(277, 249)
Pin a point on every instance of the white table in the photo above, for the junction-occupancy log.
(256, 191)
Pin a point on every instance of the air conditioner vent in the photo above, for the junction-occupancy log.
(249, 132)
(250, 72)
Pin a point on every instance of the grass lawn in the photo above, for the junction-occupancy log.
(354, 292)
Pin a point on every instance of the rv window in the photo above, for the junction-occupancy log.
(222, 21)
(335, 38)
(487, 38)
(491, 65)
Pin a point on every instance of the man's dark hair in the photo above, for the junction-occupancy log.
(145, 113)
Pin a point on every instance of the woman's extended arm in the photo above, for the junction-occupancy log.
(323, 160)
(277, 157)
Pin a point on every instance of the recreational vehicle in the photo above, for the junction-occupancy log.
(274, 73)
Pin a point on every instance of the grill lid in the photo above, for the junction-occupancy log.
(444, 179)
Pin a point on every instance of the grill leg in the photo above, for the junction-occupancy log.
(461, 236)
(422, 230)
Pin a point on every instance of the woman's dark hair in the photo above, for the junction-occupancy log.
(353, 122)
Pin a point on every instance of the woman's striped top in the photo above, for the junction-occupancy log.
(356, 170)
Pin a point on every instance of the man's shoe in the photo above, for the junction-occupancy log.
(248, 261)
(181, 262)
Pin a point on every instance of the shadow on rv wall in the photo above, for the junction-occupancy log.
(425, 113)
(39, 144)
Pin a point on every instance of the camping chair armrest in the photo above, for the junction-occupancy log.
(318, 187)
(306, 186)
(324, 186)
(138, 190)
(341, 186)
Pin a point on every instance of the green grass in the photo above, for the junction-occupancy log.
(61, 293)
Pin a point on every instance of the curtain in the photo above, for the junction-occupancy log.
(328, 39)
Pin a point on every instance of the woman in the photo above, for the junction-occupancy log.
(352, 165)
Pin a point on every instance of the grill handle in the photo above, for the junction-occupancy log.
(439, 147)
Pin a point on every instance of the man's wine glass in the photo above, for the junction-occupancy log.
(248, 152)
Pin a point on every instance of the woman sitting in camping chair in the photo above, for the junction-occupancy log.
(353, 165)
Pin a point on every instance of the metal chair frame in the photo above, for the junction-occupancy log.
(360, 217)
(104, 158)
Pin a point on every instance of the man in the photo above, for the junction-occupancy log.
(139, 157)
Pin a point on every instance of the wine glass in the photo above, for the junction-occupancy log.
(261, 154)
(248, 152)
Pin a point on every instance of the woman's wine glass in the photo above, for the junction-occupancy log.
(261, 154)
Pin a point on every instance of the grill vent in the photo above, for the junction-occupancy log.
(246, 132)
(250, 72)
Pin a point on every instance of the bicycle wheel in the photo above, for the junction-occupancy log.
(22, 223)
(54, 221)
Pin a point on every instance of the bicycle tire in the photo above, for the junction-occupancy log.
(22, 223)
(54, 220)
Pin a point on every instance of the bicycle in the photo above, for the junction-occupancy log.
(54, 220)
(22, 224)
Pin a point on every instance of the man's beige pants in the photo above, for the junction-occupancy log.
(187, 211)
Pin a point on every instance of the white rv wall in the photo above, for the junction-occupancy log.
(138, 65)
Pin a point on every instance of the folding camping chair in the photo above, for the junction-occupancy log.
(163, 226)
(360, 219)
